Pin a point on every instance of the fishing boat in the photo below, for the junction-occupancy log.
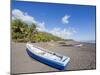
(52, 59)
(78, 45)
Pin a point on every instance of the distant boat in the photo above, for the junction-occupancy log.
(78, 45)
(47, 57)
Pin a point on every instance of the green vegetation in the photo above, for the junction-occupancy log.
(22, 32)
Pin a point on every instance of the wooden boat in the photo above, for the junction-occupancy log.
(47, 57)
(78, 45)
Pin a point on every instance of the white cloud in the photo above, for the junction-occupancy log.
(63, 33)
(65, 19)
(18, 14)
(41, 26)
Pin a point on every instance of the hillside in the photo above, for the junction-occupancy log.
(22, 32)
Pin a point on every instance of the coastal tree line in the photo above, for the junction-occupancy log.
(22, 32)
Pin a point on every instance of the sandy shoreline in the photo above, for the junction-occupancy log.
(81, 58)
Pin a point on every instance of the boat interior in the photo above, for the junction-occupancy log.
(47, 54)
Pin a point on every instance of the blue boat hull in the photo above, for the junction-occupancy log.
(47, 62)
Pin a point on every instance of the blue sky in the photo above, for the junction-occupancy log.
(63, 20)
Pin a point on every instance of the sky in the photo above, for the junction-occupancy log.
(63, 20)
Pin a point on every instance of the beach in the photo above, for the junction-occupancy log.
(81, 58)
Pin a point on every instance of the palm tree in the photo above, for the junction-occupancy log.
(19, 29)
(31, 32)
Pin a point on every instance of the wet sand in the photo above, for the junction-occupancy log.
(81, 58)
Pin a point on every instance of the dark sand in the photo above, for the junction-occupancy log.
(81, 58)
